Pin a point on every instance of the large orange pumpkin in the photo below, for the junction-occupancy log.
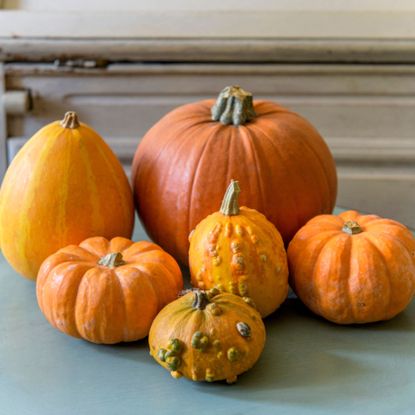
(107, 291)
(353, 268)
(63, 186)
(187, 158)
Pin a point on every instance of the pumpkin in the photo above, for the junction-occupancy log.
(64, 185)
(187, 157)
(107, 291)
(353, 268)
(239, 251)
(207, 336)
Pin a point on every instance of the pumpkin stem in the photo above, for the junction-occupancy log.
(352, 228)
(233, 106)
(70, 120)
(230, 206)
(112, 260)
(201, 300)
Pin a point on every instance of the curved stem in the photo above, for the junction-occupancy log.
(201, 300)
(230, 206)
(70, 120)
(352, 228)
(233, 106)
(112, 260)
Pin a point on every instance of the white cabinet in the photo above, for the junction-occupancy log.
(349, 69)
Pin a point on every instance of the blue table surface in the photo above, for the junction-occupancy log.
(309, 366)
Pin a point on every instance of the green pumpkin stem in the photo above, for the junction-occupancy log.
(112, 260)
(201, 300)
(233, 106)
(230, 206)
(352, 228)
(70, 120)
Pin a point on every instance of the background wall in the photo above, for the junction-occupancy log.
(162, 5)
(346, 66)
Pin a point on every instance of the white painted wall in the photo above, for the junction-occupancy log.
(158, 5)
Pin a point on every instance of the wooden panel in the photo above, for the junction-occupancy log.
(3, 134)
(365, 112)
(211, 50)
(185, 30)
(384, 191)
(125, 100)
(253, 24)
(131, 5)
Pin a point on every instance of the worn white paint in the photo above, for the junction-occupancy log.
(210, 50)
(130, 5)
(193, 24)
(3, 132)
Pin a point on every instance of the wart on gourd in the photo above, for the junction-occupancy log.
(215, 309)
(233, 354)
(200, 341)
(243, 329)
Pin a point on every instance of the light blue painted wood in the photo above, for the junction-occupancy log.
(309, 366)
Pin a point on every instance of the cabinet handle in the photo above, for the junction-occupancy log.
(16, 102)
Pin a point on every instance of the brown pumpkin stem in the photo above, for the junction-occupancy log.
(201, 300)
(230, 206)
(352, 228)
(70, 120)
(112, 260)
(233, 106)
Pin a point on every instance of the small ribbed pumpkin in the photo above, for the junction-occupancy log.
(187, 158)
(64, 186)
(207, 336)
(239, 251)
(353, 268)
(107, 291)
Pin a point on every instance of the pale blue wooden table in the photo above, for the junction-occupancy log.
(309, 366)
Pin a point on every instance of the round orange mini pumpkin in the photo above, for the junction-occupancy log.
(107, 291)
(353, 268)
(239, 251)
(64, 185)
(193, 152)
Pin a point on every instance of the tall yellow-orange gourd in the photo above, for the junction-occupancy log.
(64, 186)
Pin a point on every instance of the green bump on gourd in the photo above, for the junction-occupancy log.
(215, 309)
(196, 339)
(233, 354)
(209, 375)
(170, 353)
(161, 354)
(175, 345)
(204, 342)
(173, 362)
(200, 341)
(212, 293)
